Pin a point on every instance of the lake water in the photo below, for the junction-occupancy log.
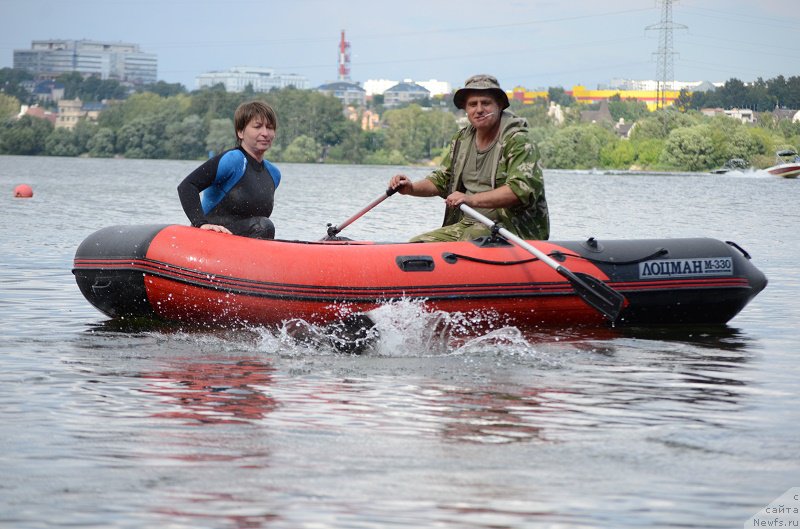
(107, 426)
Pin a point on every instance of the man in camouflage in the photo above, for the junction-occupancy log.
(492, 166)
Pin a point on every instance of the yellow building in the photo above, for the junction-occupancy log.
(69, 112)
(583, 95)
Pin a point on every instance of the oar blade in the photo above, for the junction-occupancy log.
(595, 293)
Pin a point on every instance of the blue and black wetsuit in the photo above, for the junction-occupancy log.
(233, 190)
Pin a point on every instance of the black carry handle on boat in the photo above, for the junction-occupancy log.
(594, 292)
(333, 231)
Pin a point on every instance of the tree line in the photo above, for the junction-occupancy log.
(165, 121)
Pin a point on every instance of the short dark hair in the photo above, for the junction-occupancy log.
(246, 112)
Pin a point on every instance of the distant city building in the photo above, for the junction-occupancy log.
(108, 60)
(745, 115)
(601, 115)
(584, 95)
(261, 79)
(787, 113)
(652, 85)
(378, 86)
(48, 90)
(350, 94)
(646, 91)
(38, 112)
(404, 92)
(71, 111)
(434, 87)
(368, 119)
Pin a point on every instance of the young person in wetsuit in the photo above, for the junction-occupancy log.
(234, 192)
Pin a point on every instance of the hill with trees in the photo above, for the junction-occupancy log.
(165, 121)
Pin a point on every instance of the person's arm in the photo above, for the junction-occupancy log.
(501, 197)
(189, 194)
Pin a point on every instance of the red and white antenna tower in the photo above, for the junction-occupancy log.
(344, 59)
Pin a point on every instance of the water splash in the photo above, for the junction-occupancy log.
(401, 328)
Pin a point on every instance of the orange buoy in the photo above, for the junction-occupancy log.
(23, 191)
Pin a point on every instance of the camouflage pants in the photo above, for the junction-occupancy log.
(465, 230)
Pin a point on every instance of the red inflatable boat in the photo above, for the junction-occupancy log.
(185, 274)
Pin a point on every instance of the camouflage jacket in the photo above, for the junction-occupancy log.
(516, 165)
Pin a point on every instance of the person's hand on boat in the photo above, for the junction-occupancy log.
(215, 227)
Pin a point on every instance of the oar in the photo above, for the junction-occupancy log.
(334, 230)
(594, 292)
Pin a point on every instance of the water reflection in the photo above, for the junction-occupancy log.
(214, 392)
(489, 416)
(537, 385)
(713, 337)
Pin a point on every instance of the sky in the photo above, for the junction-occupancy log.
(525, 43)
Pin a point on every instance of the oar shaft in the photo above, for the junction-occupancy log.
(333, 230)
(594, 292)
(510, 236)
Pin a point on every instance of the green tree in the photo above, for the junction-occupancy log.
(149, 104)
(220, 135)
(618, 155)
(142, 105)
(759, 98)
(354, 146)
(303, 149)
(743, 145)
(84, 131)
(404, 132)
(143, 137)
(440, 127)
(559, 96)
(163, 88)
(648, 152)
(9, 106)
(721, 130)
(659, 124)
(90, 88)
(25, 136)
(72, 82)
(215, 103)
(684, 100)
(576, 147)
(186, 139)
(101, 144)
(536, 114)
(791, 98)
(733, 93)
(386, 157)
(416, 133)
(12, 83)
(689, 149)
(628, 109)
(113, 116)
(61, 142)
(306, 113)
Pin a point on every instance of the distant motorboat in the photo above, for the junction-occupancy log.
(787, 164)
(734, 164)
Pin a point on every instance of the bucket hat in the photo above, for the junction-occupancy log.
(481, 82)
